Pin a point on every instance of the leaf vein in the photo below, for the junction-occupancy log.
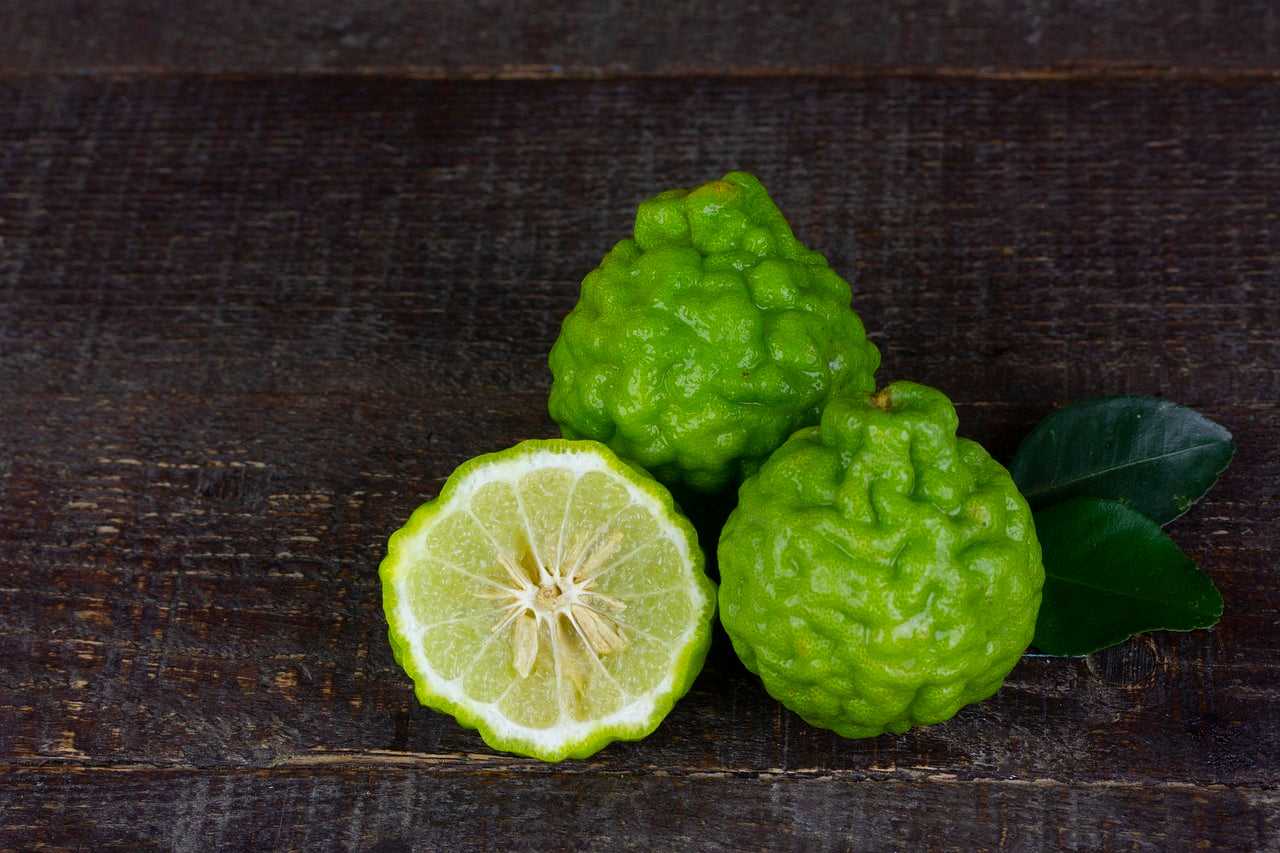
(1098, 472)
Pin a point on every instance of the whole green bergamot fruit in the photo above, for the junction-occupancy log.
(879, 572)
(699, 346)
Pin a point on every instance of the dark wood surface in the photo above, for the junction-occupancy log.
(503, 37)
(249, 320)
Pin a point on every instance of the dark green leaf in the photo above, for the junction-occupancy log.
(1111, 573)
(1150, 454)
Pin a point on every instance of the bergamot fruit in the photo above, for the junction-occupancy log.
(551, 597)
(880, 572)
(699, 346)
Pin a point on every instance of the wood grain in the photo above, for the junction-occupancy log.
(577, 37)
(465, 805)
(247, 324)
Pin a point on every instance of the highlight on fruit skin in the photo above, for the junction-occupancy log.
(703, 341)
(551, 597)
(879, 572)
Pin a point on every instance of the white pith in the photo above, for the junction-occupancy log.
(570, 587)
(545, 596)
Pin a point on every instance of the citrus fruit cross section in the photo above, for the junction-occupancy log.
(551, 597)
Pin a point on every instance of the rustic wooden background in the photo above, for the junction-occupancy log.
(268, 272)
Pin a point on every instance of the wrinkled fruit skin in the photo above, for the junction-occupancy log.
(699, 346)
(879, 572)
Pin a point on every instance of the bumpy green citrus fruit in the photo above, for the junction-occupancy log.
(880, 572)
(551, 597)
(699, 346)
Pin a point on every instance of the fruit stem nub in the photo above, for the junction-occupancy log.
(882, 399)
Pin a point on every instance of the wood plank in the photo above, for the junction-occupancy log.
(581, 37)
(149, 591)
(469, 806)
(249, 323)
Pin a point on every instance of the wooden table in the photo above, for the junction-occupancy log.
(269, 272)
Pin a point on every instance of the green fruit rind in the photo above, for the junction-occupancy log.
(577, 740)
(699, 346)
(879, 572)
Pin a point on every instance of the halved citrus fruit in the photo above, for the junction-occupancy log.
(552, 597)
